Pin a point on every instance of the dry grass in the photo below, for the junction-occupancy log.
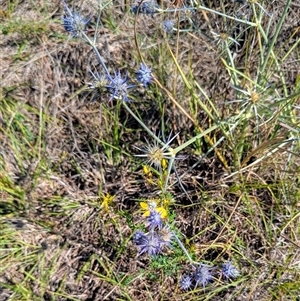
(62, 148)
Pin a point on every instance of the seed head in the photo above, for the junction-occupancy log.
(166, 236)
(155, 154)
(254, 96)
(99, 82)
(223, 38)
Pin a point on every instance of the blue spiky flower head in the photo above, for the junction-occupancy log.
(168, 26)
(146, 7)
(154, 220)
(73, 22)
(144, 75)
(203, 275)
(186, 282)
(148, 243)
(118, 86)
(229, 271)
(139, 237)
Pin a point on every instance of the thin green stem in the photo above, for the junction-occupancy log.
(183, 248)
(224, 15)
(92, 44)
(274, 39)
(192, 140)
(171, 162)
(142, 124)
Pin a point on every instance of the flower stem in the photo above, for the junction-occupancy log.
(92, 44)
(142, 123)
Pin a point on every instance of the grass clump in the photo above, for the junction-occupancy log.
(25, 29)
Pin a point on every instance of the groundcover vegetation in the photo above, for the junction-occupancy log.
(149, 150)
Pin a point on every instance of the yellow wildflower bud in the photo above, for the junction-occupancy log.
(107, 200)
(164, 164)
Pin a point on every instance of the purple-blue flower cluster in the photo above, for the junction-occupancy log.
(156, 240)
(229, 271)
(73, 22)
(205, 274)
(144, 75)
(118, 87)
(148, 243)
(158, 236)
(146, 8)
(155, 220)
(168, 26)
(201, 276)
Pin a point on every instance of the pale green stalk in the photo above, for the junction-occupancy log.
(233, 75)
(274, 39)
(183, 248)
(270, 153)
(210, 102)
(192, 140)
(92, 44)
(142, 124)
(200, 7)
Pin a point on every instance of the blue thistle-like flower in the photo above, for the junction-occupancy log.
(147, 8)
(186, 282)
(144, 75)
(229, 271)
(73, 22)
(140, 238)
(155, 220)
(168, 26)
(203, 275)
(150, 243)
(118, 87)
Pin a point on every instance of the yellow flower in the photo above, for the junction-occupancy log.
(107, 200)
(167, 201)
(148, 174)
(153, 205)
(164, 164)
(148, 206)
(162, 211)
(147, 171)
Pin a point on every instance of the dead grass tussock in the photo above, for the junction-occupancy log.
(65, 254)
